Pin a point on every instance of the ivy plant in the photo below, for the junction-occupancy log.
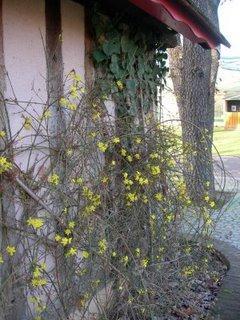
(130, 60)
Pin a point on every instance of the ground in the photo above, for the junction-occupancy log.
(228, 225)
(227, 231)
(227, 142)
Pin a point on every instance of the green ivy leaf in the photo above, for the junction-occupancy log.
(131, 85)
(128, 45)
(115, 67)
(99, 56)
(111, 47)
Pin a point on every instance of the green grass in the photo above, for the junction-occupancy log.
(227, 142)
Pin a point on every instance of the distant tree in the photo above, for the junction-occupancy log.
(193, 71)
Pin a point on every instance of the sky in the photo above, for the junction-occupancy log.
(229, 16)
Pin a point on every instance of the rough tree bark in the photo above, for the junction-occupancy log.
(193, 72)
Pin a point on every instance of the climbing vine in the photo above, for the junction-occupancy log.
(130, 62)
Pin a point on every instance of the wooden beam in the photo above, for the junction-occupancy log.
(88, 62)
(54, 48)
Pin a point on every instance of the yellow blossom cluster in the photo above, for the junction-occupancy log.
(27, 123)
(38, 280)
(5, 165)
(155, 170)
(102, 146)
(36, 223)
(94, 200)
(2, 134)
(68, 104)
(120, 85)
(54, 179)
(131, 197)
(46, 115)
(188, 271)
(102, 246)
(141, 179)
(210, 202)
(11, 250)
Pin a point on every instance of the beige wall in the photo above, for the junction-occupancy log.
(73, 37)
(23, 36)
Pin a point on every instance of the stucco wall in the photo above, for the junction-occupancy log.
(24, 35)
(73, 37)
(23, 25)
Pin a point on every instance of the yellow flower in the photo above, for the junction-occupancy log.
(169, 217)
(125, 175)
(46, 114)
(132, 197)
(1, 259)
(207, 198)
(11, 250)
(69, 152)
(114, 254)
(96, 116)
(144, 263)
(158, 196)
(141, 179)
(77, 181)
(37, 272)
(71, 224)
(2, 134)
(36, 223)
(137, 251)
(123, 152)
(67, 232)
(104, 179)
(212, 204)
(93, 134)
(119, 85)
(125, 260)
(116, 140)
(58, 237)
(102, 245)
(137, 156)
(188, 271)
(63, 102)
(138, 140)
(128, 182)
(39, 282)
(73, 92)
(72, 106)
(75, 76)
(71, 252)
(155, 170)
(144, 199)
(53, 179)
(5, 165)
(154, 156)
(102, 146)
(27, 123)
(129, 158)
(113, 163)
(85, 254)
(209, 221)
(65, 241)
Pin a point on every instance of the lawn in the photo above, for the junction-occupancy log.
(227, 142)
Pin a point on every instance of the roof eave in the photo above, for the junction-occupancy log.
(184, 18)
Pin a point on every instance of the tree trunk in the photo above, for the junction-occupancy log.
(193, 72)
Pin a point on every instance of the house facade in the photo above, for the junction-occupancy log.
(41, 43)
